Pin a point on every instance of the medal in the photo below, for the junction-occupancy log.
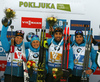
(19, 63)
(52, 60)
(76, 61)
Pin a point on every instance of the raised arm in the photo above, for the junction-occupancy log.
(4, 40)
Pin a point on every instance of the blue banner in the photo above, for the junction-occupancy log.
(97, 37)
(59, 23)
(79, 25)
(8, 35)
(2, 52)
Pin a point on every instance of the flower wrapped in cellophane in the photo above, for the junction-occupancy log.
(31, 65)
(9, 13)
(57, 74)
(51, 21)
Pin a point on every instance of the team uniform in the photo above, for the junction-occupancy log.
(78, 55)
(56, 61)
(33, 54)
(17, 66)
(54, 54)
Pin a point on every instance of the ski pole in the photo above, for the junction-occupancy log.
(37, 30)
(64, 50)
(85, 26)
(12, 50)
(42, 53)
(68, 47)
(86, 58)
(26, 76)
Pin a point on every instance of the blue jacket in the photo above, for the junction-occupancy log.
(70, 65)
(77, 72)
(17, 71)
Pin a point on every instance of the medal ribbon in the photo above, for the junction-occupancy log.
(77, 56)
(54, 54)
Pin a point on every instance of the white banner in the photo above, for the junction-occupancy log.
(45, 6)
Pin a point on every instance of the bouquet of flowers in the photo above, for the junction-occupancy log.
(57, 74)
(9, 13)
(52, 21)
(30, 66)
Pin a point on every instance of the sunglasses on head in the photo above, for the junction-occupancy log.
(19, 34)
(20, 31)
(78, 31)
(35, 36)
(58, 29)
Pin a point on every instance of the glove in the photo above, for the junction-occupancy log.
(6, 22)
(66, 72)
(94, 41)
(26, 71)
(23, 58)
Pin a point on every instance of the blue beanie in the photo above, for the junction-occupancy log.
(35, 38)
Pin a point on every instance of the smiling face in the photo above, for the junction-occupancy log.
(35, 44)
(18, 39)
(79, 39)
(58, 36)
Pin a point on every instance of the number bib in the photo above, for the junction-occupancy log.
(17, 57)
(35, 57)
(54, 59)
(79, 53)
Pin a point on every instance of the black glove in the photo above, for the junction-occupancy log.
(6, 22)
(94, 41)
(66, 73)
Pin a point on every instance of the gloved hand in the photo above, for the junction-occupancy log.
(66, 72)
(6, 22)
(94, 41)
(26, 71)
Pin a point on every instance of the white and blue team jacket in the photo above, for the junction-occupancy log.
(17, 55)
(57, 62)
(33, 54)
(79, 53)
